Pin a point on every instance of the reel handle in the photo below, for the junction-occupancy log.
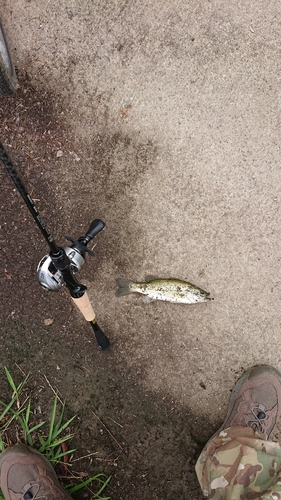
(81, 244)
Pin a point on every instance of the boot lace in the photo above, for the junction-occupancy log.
(257, 418)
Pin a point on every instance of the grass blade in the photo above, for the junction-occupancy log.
(105, 483)
(10, 379)
(30, 431)
(2, 446)
(35, 427)
(56, 457)
(43, 444)
(17, 390)
(6, 409)
(58, 424)
(58, 430)
(52, 422)
(27, 414)
(72, 489)
(59, 441)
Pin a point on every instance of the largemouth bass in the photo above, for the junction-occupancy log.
(172, 290)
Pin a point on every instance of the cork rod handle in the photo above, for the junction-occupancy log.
(84, 305)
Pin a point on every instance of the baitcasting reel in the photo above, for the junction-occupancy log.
(58, 268)
(51, 278)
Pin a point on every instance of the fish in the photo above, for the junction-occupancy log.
(171, 290)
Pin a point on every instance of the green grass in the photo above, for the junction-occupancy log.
(17, 420)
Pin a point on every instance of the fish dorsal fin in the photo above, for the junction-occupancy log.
(150, 277)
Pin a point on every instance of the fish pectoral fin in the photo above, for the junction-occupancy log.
(147, 300)
(150, 277)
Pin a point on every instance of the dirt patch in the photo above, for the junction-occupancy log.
(147, 442)
(139, 440)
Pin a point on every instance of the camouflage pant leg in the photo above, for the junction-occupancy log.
(237, 464)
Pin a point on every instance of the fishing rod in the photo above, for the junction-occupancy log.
(58, 267)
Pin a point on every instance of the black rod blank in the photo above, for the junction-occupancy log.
(27, 198)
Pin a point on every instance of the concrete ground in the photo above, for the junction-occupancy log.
(172, 111)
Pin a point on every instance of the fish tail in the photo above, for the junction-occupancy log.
(124, 286)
